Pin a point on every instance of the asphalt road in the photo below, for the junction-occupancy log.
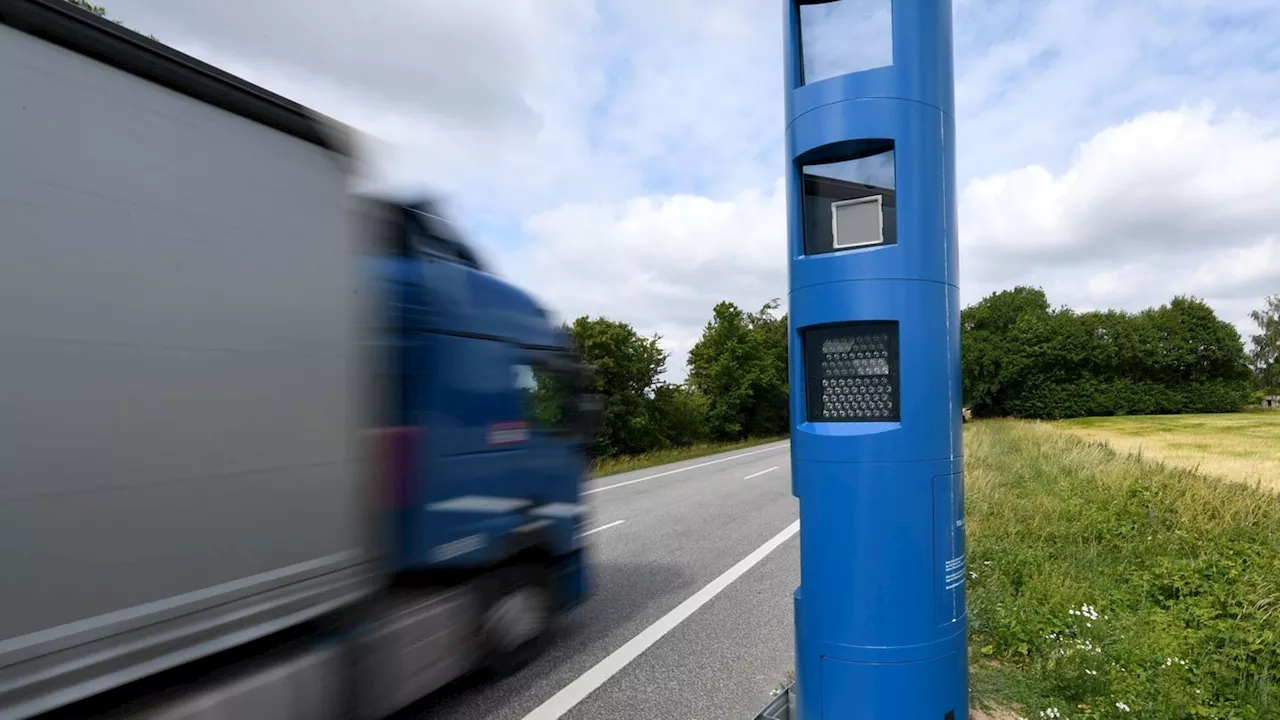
(694, 566)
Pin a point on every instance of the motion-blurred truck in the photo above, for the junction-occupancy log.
(269, 448)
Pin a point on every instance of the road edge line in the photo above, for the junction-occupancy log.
(679, 470)
(588, 682)
(615, 523)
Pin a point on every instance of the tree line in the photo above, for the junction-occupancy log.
(1020, 357)
(736, 385)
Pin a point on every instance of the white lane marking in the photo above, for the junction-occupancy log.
(679, 470)
(576, 691)
(775, 467)
(602, 527)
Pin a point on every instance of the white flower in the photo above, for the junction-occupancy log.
(1091, 672)
(1050, 713)
(1122, 706)
(1086, 610)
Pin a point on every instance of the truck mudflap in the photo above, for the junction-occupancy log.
(569, 579)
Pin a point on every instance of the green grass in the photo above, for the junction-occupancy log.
(1100, 577)
(627, 463)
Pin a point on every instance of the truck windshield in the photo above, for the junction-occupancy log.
(407, 231)
(436, 236)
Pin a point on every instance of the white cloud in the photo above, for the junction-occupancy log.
(1033, 79)
(1165, 182)
(1179, 201)
(660, 263)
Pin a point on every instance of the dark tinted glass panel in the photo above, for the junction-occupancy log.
(831, 191)
(838, 37)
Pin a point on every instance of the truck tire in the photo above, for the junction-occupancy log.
(516, 611)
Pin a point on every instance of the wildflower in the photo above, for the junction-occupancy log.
(1050, 713)
(1123, 707)
(1086, 610)
(1090, 672)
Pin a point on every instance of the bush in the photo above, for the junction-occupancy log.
(737, 385)
(681, 413)
(1020, 358)
(740, 366)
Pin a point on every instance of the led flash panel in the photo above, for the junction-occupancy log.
(852, 372)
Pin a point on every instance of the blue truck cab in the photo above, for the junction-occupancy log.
(486, 409)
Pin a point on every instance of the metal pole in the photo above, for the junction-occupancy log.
(875, 364)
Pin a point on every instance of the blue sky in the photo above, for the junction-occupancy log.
(623, 157)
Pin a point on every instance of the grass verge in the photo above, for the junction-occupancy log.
(1233, 446)
(627, 463)
(1106, 586)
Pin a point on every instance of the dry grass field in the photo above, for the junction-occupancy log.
(1243, 447)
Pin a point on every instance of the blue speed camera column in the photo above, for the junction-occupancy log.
(875, 362)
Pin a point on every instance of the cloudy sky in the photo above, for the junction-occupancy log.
(624, 157)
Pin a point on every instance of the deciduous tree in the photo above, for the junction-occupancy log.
(740, 366)
(1264, 347)
(628, 368)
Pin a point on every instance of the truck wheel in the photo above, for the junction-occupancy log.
(515, 617)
